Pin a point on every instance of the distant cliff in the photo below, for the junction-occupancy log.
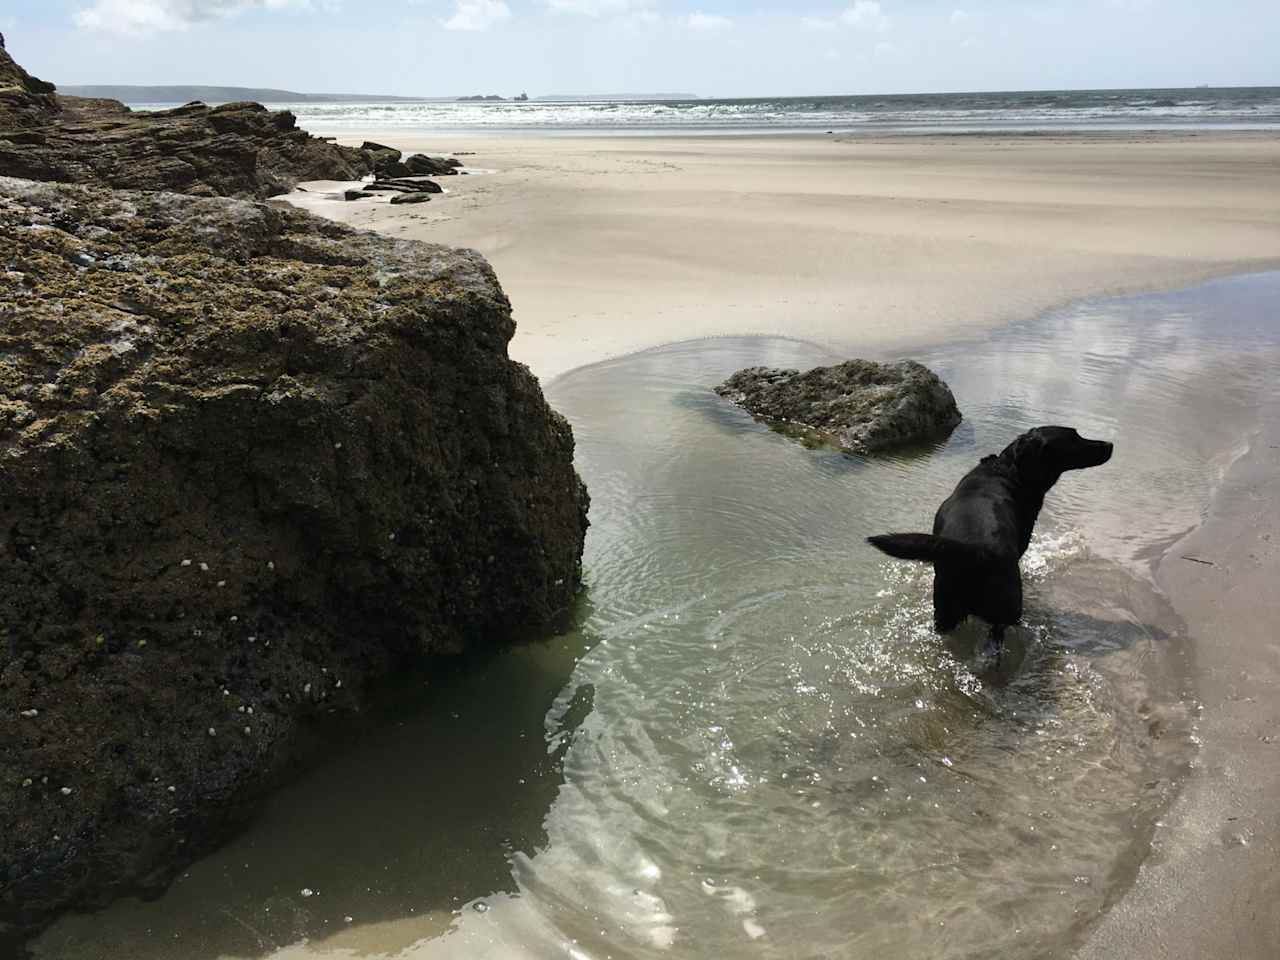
(185, 93)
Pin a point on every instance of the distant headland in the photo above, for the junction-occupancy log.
(185, 93)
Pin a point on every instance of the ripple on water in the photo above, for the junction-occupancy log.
(754, 744)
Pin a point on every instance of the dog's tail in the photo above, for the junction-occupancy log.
(929, 548)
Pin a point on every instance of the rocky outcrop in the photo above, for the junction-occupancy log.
(406, 185)
(24, 101)
(410, 198)
(420, 164)
(859, 405)
(249, 461)
(386, 160)
(234, 150)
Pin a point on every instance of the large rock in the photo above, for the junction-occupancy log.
(249, 461)
(235, 149)
(859, 405)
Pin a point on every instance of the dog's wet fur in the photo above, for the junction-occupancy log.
(982, 530)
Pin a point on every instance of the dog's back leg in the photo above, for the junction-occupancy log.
(949, 606)
(995, 643)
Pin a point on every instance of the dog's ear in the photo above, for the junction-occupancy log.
(1027, 451)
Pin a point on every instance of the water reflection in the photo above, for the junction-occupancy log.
(415, 819)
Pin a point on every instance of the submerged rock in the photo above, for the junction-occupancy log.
(860, 406)
(235, 149)
(249, 461)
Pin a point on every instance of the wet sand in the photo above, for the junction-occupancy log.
(1210, 887)
(872, 246)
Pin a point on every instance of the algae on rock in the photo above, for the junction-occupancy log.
(249, 460)
(859, 405)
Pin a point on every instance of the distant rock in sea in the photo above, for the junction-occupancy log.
(860, 406)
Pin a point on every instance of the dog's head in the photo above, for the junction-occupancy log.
(1045, 453)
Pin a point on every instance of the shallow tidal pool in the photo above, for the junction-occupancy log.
(752, 743)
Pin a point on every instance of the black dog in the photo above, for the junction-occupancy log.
(982, 530)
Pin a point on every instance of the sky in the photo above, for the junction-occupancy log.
(706, 47)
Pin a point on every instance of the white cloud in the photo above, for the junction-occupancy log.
(150, 16)
(863, 15)
(706, 21)
(477, 14)
(598, 8)
(960, 16)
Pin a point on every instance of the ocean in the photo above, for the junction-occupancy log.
(1246, 108)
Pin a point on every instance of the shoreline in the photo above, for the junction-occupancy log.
(1209, 883)
(1206, 885)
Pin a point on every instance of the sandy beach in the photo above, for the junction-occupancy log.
(870, 246)
(610, 245)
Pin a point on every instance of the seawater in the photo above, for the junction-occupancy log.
(751, 743)
(1220, 107)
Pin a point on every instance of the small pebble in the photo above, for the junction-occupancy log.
(253, 639)
(308, 892)
(247, 730)
(27, 782)
(271, 564)
(30, 713)
(173, 789)
(346, 919)
(222, 583)
(337, 446)
(204, 567)
(186, 563)
(65, 791)
(307, 688)
(226, 692)
(235, 619)
(213, 732)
